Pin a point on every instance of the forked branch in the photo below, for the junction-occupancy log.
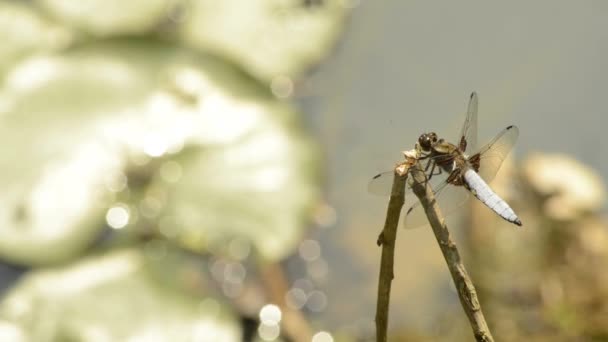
(464, 285)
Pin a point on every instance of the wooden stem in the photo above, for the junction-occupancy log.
(386, 239)
(464, 285)
(294, 324)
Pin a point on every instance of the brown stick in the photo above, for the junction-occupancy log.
(466, 290)
(386, 239)
(294, 324)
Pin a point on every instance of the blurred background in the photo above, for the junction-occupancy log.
(196, 170)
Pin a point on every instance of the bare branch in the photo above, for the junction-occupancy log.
(466, 290)
(386, 239)
(294, 324)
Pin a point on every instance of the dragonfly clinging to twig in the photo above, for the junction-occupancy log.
(452, 166)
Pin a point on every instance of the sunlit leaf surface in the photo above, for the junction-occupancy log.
(110, 298)
(23, 30)
(271, 38)
(109, 17)
(142, 134)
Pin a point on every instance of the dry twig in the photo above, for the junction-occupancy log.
(466, 290)
(294, 323)
(386, 239)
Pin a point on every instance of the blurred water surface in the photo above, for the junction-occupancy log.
(405, 67)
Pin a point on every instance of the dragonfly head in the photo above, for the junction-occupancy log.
(427, 140)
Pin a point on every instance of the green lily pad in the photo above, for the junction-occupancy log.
(109, 17)
(23, 31)
(251, 190)
(219, 158)
(86, 302)
(270, 38)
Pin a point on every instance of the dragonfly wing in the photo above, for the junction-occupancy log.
(381, 184)
(491, 155)
(468, 132)
(449, 198)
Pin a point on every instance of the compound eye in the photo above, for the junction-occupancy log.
(425, 141)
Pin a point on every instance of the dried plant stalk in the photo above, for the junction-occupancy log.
(466, 290)
(386, 239)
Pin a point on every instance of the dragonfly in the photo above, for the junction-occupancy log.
(451, 168)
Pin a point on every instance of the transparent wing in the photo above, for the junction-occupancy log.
(467, 139)
(449, 198)
(382, 183)
(491, 156)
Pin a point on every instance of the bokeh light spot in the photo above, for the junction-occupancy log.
(155, 146)
(190, 82)
(234, 272)
(322, 336)
(270, 314)
(167, 227)
(296, 298)
(317, 301)
(217, 268)
(178, 12)
(318, 269)
(325, 216)
(232, 290)
(171, 171)
(281, 86)
(117, 217)
(239, 248)
(309, 250)
(269, 332)
(116, 182)
(304, 284)
(150, 207)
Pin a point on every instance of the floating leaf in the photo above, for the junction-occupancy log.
(23, 30)
(109, 17)
(273, 39)
(140, 133)
(270, 38)
(86, 302)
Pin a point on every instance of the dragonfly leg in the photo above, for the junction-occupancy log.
(432, 173)
(428, 164)
(432, 169)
